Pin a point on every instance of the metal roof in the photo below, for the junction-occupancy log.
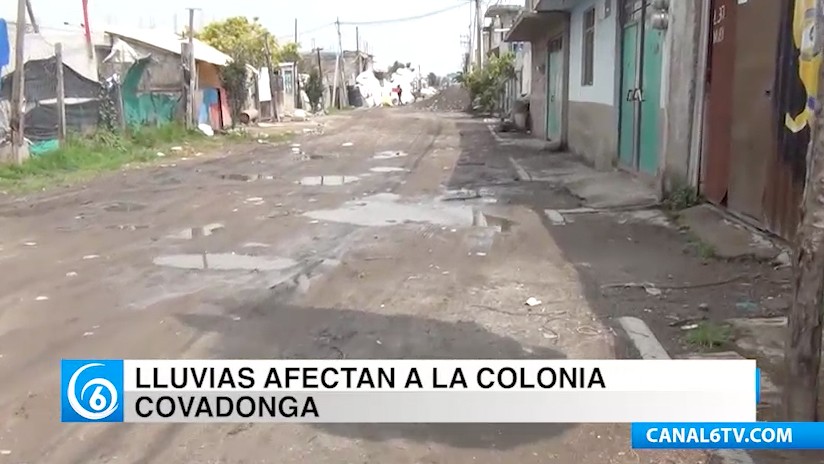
(171, 43)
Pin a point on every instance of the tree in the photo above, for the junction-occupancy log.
(314, 89)
(486, 84)
(806, 317)
(289, 53)
(235, 80)
(241, 39)
(432, 79)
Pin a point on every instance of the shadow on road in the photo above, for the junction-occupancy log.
(270, 328)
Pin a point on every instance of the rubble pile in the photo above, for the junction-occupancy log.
(452, 98)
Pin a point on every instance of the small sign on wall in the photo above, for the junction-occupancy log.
(608, 8)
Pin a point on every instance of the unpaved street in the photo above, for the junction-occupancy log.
(344, 251)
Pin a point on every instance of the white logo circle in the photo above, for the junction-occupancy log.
(97, 403)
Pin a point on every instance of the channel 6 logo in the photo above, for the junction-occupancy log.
(91, 390)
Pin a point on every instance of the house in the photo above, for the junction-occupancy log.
(82, 88)
(150, 65)
(709, 95)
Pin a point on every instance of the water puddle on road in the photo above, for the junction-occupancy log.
(387, 169)
(328, 180)
(386, 209)
(390, 155)
(247, 177)
(224, 262)
(196, 232)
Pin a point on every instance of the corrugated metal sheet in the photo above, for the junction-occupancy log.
(753, 134)
(717, 155)
(171, 43)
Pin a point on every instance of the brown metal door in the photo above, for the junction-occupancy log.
(718, 120)
(753, 127)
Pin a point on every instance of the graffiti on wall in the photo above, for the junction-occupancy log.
(809, 47)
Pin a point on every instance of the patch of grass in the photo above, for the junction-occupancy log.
(82, 157)
(709, 335)
(682, 198)
(705, 250)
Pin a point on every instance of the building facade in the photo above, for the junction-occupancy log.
(709, 95)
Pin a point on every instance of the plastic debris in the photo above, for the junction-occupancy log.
(532, 301)
(160, 154)
(653, 291)
(206, 129)
(88, 257)
(41, 298)
(556, 218)
(177, 148)
(347, 144)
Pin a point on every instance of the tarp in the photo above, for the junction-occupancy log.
(146, 108)
(5, 47)
(41, 120)
(41, 83)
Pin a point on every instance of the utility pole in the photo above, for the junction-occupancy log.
(191, 112)
(18, 141)
(357, 49)
(478, 35)
(806, 317)
(339, 68)
(31, 17)
(298, 99)
(273, 85)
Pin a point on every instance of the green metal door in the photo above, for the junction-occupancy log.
(554, 89)
(629, 76)
(650, 126)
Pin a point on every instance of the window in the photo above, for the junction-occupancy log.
(588, 52)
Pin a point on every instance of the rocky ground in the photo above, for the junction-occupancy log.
(396, 233)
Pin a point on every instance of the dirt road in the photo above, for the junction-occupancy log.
(352, 249)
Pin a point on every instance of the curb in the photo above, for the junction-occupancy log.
(650, 348)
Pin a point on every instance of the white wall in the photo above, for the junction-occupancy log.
(603, 88)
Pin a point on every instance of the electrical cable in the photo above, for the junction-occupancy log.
(408, 18)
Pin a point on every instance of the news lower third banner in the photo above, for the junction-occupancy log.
(758, 435)
(408, 391)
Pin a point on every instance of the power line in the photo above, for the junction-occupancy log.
(408, 18)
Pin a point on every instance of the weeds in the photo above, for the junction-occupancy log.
(709, 335)
(84, 156)
(682, 198)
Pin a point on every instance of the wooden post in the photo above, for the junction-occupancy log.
(192, 111)
(18, 149)
(34, 25)
(273, 85)
(61, 93)
(121, 107)
(187, 89)
(806, 317)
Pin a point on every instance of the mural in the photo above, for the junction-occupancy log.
(799, 59)
(809, 46)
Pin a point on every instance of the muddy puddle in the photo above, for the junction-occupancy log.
(247, 177)
(391, 154)
(196, 232)
(387, 209)
(386, 169)
(328, 180)
(224, 262)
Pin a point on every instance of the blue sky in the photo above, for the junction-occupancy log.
(434, 42)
